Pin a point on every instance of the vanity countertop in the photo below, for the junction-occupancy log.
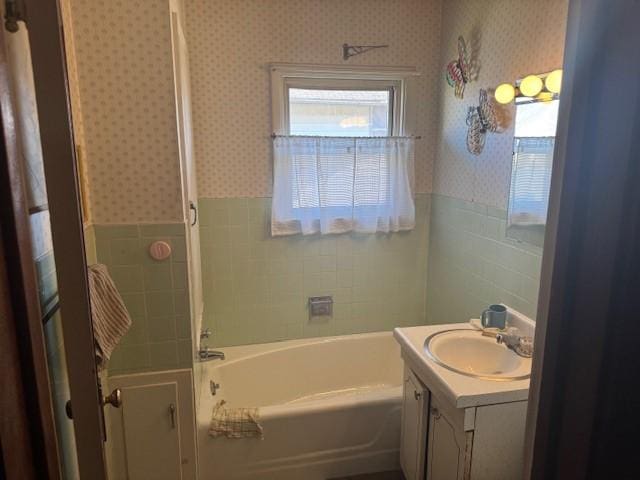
(463, 391)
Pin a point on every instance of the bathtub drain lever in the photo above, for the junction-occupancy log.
(214, 387)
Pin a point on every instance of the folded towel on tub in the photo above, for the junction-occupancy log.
(235, 422)
(109, 315)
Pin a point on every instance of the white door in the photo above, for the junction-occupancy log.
(44, 137)
(446, 445)
(27, 129)
(187, 166)
(414, 427)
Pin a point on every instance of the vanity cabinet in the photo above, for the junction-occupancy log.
(442, 442)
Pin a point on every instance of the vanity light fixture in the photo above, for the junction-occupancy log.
(505, 93)
(531, 85)
(543, 87)
(553, 82)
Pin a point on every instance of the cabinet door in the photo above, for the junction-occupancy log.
(446, 445)
(151, 432)
(414, 422)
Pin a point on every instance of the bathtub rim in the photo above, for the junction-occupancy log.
(232, 353)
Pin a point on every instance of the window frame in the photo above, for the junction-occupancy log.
(325, 77)
(392, 87)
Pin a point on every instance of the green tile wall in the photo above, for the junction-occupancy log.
(256, 287)
(473, 264)
(156, 295)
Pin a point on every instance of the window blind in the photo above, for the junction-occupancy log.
(531, 180)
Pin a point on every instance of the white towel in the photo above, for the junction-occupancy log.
(109, 315)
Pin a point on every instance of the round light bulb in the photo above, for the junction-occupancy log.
(505, 93)
(531, 86)
(553, 82)
(544, 97)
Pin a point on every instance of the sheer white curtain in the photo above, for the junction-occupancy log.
(531, 180)
(336, 185)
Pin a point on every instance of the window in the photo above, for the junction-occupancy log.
(340, 113)
(533, 145)
(341, 102)
(343, 160)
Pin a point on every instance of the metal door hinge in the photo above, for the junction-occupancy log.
(14, 13)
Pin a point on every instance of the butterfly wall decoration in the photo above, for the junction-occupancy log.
(480, 120)
(458, 71)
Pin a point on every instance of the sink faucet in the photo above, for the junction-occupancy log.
(205, 353)
(522, 346)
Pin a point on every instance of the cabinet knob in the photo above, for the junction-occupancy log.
(435, 412)
(417, 395)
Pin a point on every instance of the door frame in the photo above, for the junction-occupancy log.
(61, 176)
(582, 420)
(28, 447)
(187, 166)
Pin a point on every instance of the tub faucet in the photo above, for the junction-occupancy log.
(205, 353)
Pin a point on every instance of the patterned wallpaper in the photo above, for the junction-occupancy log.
(125, 82)
(510, 38)
(121, 68)
(231, 43)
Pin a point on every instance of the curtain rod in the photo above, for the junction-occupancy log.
(274, 135)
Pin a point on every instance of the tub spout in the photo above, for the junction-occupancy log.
(205, 353)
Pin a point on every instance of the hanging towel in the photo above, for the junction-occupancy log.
(235, 422)
(109, 315)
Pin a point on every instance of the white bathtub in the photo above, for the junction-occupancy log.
(330, 407)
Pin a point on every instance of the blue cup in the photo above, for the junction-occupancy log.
(494, 317)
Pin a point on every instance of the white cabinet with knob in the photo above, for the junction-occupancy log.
(152, 435)
(457, 427)
(414, 426)
(447, 443)
(441, 442)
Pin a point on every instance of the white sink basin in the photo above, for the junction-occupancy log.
(470, 353)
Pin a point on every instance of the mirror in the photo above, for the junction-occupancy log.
(533, 144)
